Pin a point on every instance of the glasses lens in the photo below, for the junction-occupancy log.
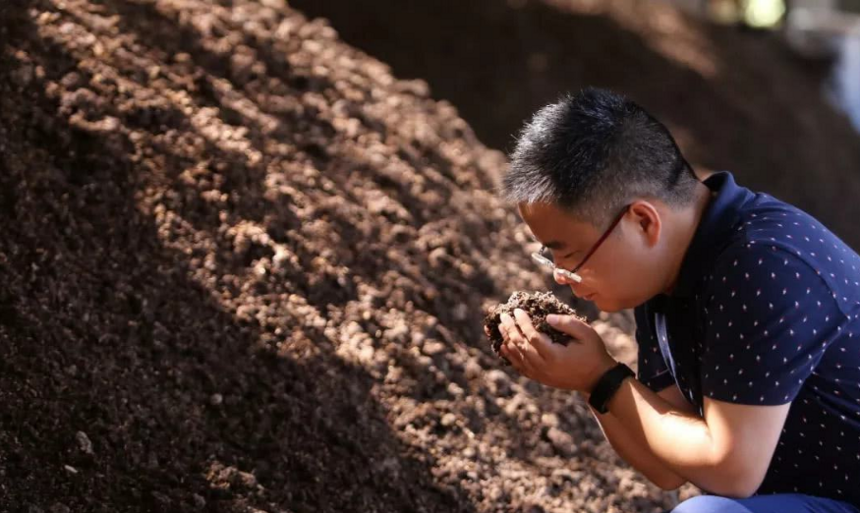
(542, 260)
(546, 253)
(569, 275)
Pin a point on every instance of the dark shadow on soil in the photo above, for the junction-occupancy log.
(104, 331)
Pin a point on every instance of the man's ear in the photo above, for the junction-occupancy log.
(648, 223)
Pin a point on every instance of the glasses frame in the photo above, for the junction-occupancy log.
(573, 273)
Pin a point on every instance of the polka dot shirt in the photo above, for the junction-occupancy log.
(766, 311)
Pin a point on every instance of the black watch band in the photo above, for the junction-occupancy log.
(607, 385)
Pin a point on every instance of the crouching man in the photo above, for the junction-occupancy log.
(747, 312)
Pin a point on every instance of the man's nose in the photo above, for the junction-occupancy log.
(575, 292)
(561, 279)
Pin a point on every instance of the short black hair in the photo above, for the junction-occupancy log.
(593, 152)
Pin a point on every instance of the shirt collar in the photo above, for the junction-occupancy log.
(713, 232)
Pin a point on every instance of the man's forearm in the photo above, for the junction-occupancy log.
(682, 442)
(637, 454)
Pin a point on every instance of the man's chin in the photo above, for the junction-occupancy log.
(607, 306)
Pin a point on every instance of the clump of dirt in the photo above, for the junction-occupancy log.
(538, 305)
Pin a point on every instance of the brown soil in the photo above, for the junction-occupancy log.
(538, 305)
(735, 100)
(243, 269)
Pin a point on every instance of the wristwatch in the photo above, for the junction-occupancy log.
(607, 385)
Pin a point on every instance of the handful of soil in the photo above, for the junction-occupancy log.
(538, 305)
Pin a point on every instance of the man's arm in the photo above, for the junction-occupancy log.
(638, 455)
(727, 453)
(758, 352)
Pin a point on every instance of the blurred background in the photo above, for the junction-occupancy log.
(247, 246)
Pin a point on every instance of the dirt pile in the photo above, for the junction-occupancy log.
(735, 100)
(244, 269)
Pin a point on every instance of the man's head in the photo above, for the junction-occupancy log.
(579, 165)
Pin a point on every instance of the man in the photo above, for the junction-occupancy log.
(747, 310)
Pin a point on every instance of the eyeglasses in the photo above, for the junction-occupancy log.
(572, 274)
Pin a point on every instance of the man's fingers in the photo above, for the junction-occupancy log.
(513, 354)
(515, 345)
(510, 333)
(505, 330)
(519, 339)
(511, 329)
(539, 344)
(570, 325)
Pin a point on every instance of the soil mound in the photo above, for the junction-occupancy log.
(244, 269)
(735, 100)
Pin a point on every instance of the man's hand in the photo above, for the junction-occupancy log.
(576, 366)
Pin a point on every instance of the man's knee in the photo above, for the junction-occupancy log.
(710, 504)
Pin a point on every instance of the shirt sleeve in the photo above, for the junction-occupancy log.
(769, 319)
(652, 369)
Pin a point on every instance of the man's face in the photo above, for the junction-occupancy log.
(616, 276)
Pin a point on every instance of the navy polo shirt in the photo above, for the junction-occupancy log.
(766, 311)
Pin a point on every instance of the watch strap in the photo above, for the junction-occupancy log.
(607, 385)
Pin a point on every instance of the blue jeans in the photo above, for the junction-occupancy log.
(778, 503)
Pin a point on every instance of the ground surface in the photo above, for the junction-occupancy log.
(244, 268)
